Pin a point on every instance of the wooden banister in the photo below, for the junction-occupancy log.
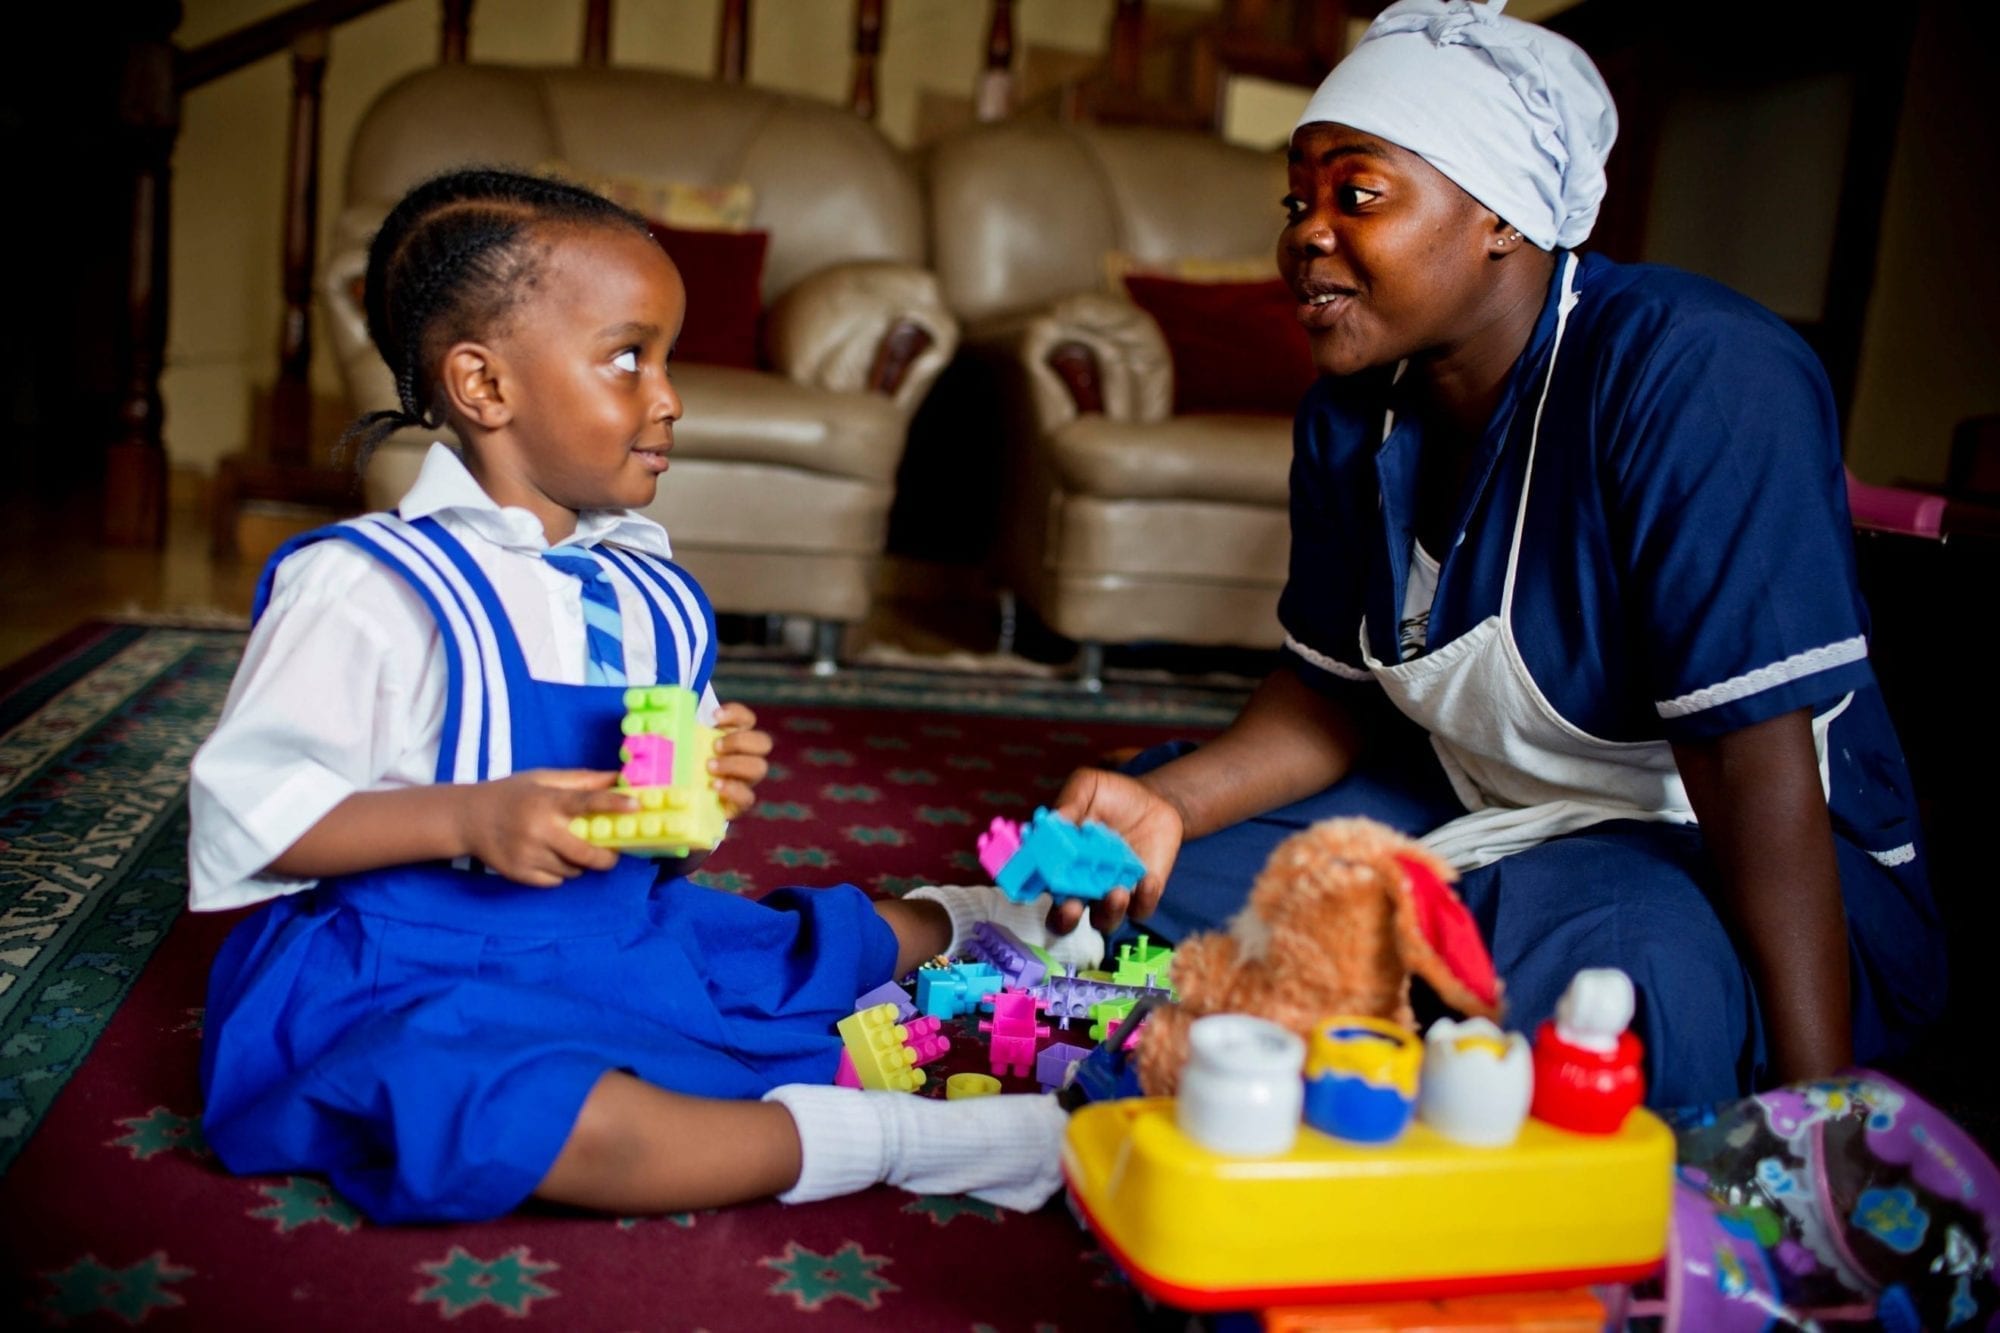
(232, 51)
(867, 47)
(732, 41)
(596, 33)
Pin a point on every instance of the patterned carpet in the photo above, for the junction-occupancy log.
(113, 1215)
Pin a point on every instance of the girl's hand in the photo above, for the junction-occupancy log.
(1151, 826)
(741, 758)
(519, 825)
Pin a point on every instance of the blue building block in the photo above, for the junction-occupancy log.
(947, 992)
(1067, 860)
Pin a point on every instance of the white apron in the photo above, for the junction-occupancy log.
(1524, 772)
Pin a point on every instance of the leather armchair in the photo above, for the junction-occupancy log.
(782, 478)
(1124, 522)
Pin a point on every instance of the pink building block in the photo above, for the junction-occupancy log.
(925, 1040)
(1014, 1032)
(649, 761)
(845, 1076)
(998, 844)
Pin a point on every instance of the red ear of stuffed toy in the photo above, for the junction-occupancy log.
(1450, 930)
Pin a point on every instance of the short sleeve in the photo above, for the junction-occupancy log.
(340, 687)
(1731, 498)
(1333, 494)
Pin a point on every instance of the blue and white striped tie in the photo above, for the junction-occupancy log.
(604, 649)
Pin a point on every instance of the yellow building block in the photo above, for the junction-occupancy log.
(879, 1047)
(674, 817)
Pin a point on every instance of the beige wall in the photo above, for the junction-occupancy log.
(1931, 354)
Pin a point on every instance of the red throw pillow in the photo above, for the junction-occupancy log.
(723, 272)
(1236, 346)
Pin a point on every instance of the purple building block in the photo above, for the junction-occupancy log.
(993, 943)
(1070, 996)
(888, 993)
(1052, 1065)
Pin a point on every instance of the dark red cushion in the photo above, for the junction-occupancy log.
(1236, 346)
(723, 272)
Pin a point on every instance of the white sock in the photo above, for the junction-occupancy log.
(1005, 1150)
(970, 904)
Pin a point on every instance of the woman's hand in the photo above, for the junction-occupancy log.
(1152, 827)
(742, 758)
(519, 825)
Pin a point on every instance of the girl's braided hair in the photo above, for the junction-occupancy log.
(451, 260)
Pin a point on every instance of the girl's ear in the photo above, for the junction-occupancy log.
(471, 382)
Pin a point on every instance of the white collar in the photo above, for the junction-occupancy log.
(444, 486)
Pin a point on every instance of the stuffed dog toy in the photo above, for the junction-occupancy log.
(1341, 917)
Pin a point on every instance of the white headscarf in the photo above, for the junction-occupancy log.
(1516, 115)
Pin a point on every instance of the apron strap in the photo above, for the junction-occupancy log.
(1567, 304)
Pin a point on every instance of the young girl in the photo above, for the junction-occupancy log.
(448, 1003)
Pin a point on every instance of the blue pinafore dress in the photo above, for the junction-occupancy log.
(425, 1035)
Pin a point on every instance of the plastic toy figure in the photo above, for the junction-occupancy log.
(1587, 1065)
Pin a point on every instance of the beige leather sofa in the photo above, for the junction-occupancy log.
(781, 482)
(1124, 522)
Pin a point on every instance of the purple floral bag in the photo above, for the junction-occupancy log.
(1846, 1200)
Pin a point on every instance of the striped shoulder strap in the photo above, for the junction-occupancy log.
(475, 741)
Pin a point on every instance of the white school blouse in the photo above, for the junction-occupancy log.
(342, 684)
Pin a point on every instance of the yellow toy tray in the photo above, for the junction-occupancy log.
(1336, 1221)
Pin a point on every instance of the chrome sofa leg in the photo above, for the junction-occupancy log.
(1090, 665)
(826, 647)
(1010, 621)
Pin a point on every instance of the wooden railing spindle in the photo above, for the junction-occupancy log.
(135, 485)
(291, 398)
(1128, 41)
(996, 82)
(596, 33)
(867, 47)
(454, 31)
(732, 41)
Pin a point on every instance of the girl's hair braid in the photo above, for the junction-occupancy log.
(450, 261)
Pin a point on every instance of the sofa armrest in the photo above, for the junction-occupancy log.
(1094, 352)
(370, 385)
(863, 328)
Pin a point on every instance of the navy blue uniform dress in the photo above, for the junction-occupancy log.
(425, 1035)
(1653, 547)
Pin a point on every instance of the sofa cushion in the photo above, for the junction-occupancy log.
(1227, 459)
(1236, 346)
(754, 416)
(723, 272)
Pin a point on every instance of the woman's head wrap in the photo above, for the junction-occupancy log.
(1515, 115)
